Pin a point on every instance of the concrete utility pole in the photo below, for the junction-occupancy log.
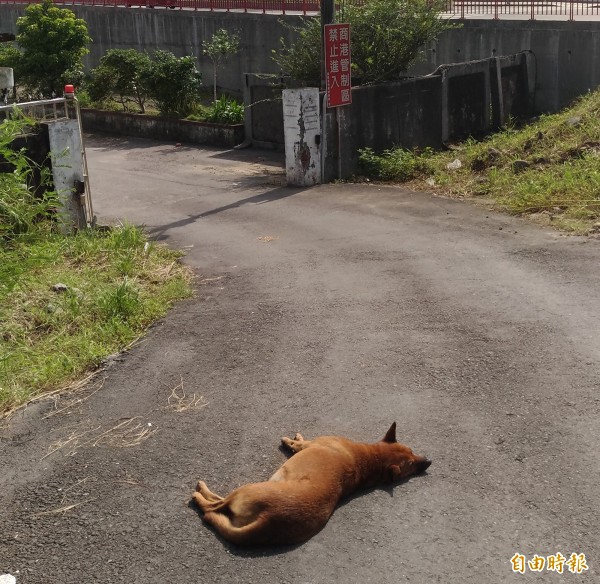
(327, 17)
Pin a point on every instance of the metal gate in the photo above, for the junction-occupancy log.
(67, 152)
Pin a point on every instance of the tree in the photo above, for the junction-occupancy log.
(173, 82)
(10, 56)
(54, 43)
(388, 36)
(218, 49)
(302, 61)
(121, 75)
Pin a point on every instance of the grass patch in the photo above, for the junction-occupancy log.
(549, 168)
(117, 284)
(113, 285)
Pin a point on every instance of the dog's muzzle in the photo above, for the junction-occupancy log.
(423, 466)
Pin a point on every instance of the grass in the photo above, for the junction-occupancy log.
(115, 284)
(548, 169)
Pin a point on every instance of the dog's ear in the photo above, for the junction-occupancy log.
(391, 434)
(394, 473)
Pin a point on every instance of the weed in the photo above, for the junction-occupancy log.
(116, 284)
(395, 165)
(549, 167)
(226, 111)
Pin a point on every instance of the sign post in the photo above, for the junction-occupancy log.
(338, 74)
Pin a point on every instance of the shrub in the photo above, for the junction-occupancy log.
(226, 111)
(395, 165)
(173, 83)
(20, 209)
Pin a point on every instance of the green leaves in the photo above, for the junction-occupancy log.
(53, 43)
(388, 36)
(20, 209)
(218, 49)
(121, 75)
(221, 46)
(302, 60)
(129, 76)
(226, 111)
(173, 82)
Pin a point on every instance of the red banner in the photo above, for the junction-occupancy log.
(337, 64)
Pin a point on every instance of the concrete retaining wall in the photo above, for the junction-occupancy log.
(567, 53)
(466, 99)
(167, 129)
(179, 31)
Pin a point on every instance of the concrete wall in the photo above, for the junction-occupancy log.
(179, 31)
(158, 128)
(460, 100)
(566, 54)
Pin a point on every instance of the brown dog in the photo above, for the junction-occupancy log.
(297, 501)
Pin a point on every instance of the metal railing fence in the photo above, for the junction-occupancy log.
(492, 9)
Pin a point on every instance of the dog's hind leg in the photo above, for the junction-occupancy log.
(207, 505)
(249, 534)
(207, 493)
(297, 444)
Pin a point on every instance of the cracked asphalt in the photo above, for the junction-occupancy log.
(331, 310)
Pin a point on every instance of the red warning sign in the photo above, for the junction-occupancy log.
(337, 64)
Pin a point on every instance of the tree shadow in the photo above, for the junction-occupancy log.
(159, 232)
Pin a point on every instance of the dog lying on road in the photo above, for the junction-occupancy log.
(297, 501)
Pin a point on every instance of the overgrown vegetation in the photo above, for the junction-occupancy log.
(549, 169)
(114, 284)
(388, 36)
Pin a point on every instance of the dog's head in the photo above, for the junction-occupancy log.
(399, 460)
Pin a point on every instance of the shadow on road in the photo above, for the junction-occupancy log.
(109, 143)
(160, 231)
(254, 155)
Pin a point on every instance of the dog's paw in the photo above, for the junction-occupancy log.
(294, 445)
(299, 437)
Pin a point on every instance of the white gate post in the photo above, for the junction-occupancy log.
(302, 131)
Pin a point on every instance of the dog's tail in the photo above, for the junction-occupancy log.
(250, 534)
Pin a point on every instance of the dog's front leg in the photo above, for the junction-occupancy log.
(296, 444)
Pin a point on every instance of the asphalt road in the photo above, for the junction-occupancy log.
(332, 310)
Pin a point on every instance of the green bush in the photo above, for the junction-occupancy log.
(20, 209)
(121, 76)
(173, 82)
(226, 111)
(395, 165)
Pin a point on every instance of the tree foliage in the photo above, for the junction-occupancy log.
(302, 60)
(53, 43)
(10, 56)
(121, 75)
(173, 82)
(387, 37)
(218, 49)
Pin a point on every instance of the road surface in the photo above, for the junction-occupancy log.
(331, 310)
